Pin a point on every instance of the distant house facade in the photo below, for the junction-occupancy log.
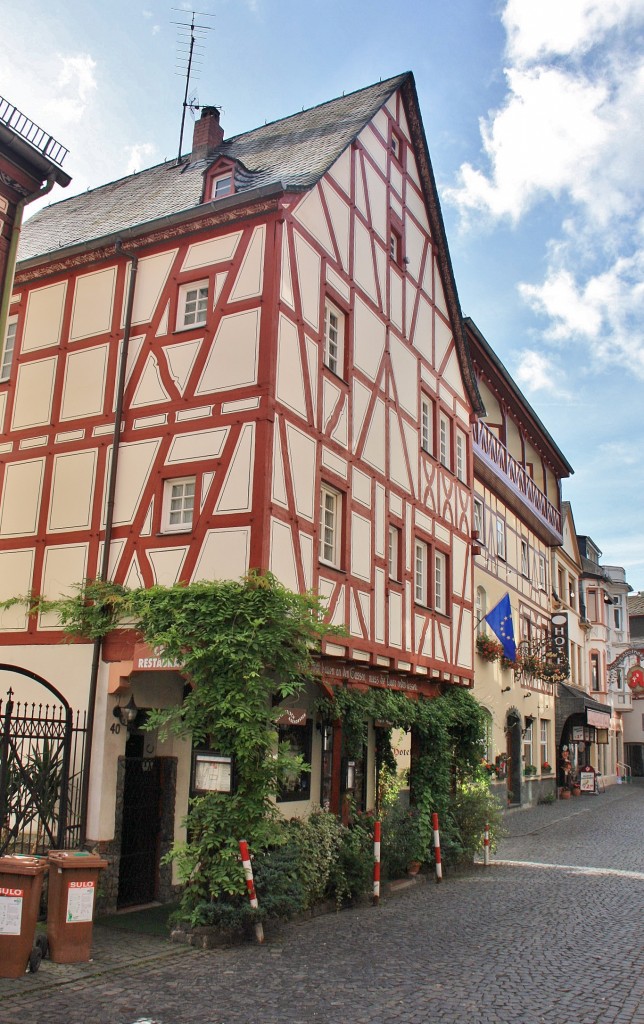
(518, 524)
(297, 397)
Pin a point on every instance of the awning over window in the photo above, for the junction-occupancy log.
(600, 719)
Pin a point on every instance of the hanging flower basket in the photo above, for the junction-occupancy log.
(488, 648)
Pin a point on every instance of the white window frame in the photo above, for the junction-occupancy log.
(543, 740)
(393, 552)
(479, 518)
(177, 492)
(426, 424)
(330, 525)
(396, 145)
(334, 338)
(217, 192)
(500, 538)
(440, 582)
(527, 745)
(444, 433)
(200, 312)
(421, 558)
(461, 456)
(8, 348)
(542, 572)
(481, 610)
(525, 559)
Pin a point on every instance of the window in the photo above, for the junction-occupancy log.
(395, 246)
(330, 513)
(178, 504)
(461, 450)
(296, 740)
(222, 186)
(426, 424)
(617, 618)
(500, 538)
(591, 597)
(193, 304)
(561, 584)
(334, 339)
(527, 745)
(420, 572)
(542, 572)
(572, 593)
(478, 517)
(594, 672)
(525, 559)
(444, 440)
(481, 610)
(7, 352)
(393, 553)
(440, 582)
(396, 145)
(544, 727)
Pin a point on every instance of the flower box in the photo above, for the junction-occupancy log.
(488, 648)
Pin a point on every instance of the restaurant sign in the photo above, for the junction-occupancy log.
(367, 676)
(148, 659)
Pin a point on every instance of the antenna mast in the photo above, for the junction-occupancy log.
(190, 51)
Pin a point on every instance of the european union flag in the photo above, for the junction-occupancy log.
(500, 621)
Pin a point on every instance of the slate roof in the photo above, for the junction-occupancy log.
(295, 151)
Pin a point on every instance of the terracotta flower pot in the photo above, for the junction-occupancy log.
(564, 794)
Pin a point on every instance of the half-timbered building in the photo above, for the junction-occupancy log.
(296, 396)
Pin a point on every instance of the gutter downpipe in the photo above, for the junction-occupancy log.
(10, 270)
(109, 522)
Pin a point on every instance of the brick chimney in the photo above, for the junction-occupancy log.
(208, 133)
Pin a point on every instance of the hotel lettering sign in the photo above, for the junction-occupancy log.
(559, 639)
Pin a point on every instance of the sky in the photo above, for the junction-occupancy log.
(534, 115)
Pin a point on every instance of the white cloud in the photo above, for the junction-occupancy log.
(536, 371)
(72, 87)
(140, 155)
(550, 27)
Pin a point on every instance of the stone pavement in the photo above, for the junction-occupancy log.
(551, 933)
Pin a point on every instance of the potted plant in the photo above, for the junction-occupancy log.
(530, 769)
(488, 648)
(546, 767)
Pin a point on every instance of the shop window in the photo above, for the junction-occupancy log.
(7, 350)
(334, 339)
(330, 525)
(296, 740)
(192, 307)
(178, 504)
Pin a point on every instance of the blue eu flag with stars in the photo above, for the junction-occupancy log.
(500, 621)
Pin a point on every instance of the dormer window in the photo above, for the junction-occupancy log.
(222, 186)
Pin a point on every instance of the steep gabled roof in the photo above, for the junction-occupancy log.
(294, 152)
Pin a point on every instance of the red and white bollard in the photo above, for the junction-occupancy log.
(250, 885)
(437, 847)
(376, 863)
(486, 846)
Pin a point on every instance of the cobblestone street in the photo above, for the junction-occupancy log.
(551, 933)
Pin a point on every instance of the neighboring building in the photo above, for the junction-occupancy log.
(297, 398)
(518, 470)
(634, 677)
(30, 166)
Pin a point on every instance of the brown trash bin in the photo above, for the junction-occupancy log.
(73, 877)
(20, 888)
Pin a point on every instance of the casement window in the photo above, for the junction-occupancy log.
(525, 559)
(395, 246)
(478, 518)
(334, 339)
(500, 538)
(594, 672)
(192, 307)
(461, 456)
(444, 440)
(394, 548)
(178, 504)
(481, 610)
(420, 572)
(561, 584)
(544, 727)
(440, 582)
(542, 572)
(527, 745)
(426, 424)
(8, 347)
(572, 592)
(330, 525)
(396, 145)
(222, 186)
(617, 618)
(592, 606)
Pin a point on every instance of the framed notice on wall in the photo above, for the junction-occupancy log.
(212, 773)
(577, 734)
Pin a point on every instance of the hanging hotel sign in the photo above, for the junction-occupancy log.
(559, 640)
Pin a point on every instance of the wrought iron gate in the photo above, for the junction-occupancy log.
(41, 764)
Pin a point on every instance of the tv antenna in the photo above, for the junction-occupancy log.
(191, 48)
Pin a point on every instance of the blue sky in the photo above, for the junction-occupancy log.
(534, 114)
